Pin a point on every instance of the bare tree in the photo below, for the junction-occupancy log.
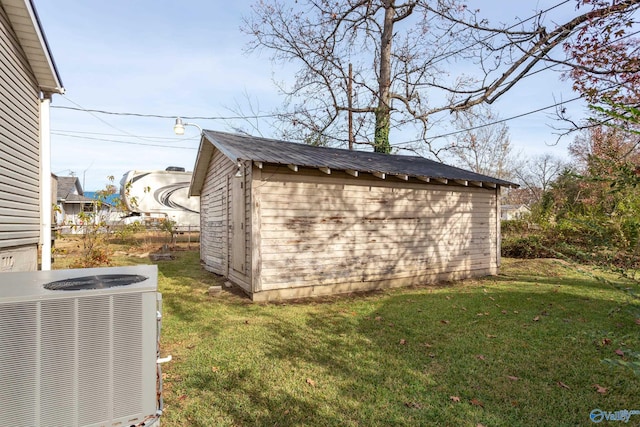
(485, 146)
(401, 52)
(537, 174)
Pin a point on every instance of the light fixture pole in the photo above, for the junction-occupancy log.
(178, 128)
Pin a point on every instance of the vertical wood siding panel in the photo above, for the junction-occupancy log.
(243, 278)
(213, 220)
(256, 230)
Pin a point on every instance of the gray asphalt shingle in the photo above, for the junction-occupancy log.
(244, 147)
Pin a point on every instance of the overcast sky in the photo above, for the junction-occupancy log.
(186, 58)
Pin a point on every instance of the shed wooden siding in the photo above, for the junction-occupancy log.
(19, 144)
(331, 230)
(215, 207)
(243, 277)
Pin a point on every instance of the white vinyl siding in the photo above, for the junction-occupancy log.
(19, 144)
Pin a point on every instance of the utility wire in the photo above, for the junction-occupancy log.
(517, 116)
(159, 138)
(161, 116)
(123, 142)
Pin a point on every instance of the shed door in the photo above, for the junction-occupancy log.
(238, 235)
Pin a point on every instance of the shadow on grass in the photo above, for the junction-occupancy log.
(184, 285)
(415, 356)
(398, 357)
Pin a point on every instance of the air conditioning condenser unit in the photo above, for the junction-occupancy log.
(79, 347)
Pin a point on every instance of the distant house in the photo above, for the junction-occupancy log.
(511, 212)
(286, 220)
(71, 201)
(28, 79)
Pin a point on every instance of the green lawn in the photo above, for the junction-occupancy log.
(523, 348)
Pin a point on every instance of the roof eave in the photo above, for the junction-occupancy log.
(25, 21)
(490, 184)
(205, 152)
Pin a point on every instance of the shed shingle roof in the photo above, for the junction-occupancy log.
(242, 147)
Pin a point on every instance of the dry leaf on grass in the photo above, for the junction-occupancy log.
(444, 322)
(454, 399)
(414, 405)
(600, 389)
(537, 318)
(619, 352)
(215, 369)
(476, 402)
(403, 341)
(638, 321)
(512, 378)
(479, 356)
(311, 382)
(563, 385)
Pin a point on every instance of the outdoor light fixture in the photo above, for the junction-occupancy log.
(178, 128)
(239, 171)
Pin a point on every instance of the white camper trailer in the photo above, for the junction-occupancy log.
(161, 194)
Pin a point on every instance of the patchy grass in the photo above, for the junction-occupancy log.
(523, 348)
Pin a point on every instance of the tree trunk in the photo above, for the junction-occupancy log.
(383, 112)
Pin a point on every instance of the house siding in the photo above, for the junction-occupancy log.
(337, 233)
(19, 152)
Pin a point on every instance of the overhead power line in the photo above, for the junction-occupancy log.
(517, 116)
(162, 116)
(148, 137)
(173, 147)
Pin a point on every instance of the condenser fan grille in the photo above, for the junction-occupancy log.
(103, 281)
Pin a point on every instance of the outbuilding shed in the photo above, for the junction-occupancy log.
(286, 220)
